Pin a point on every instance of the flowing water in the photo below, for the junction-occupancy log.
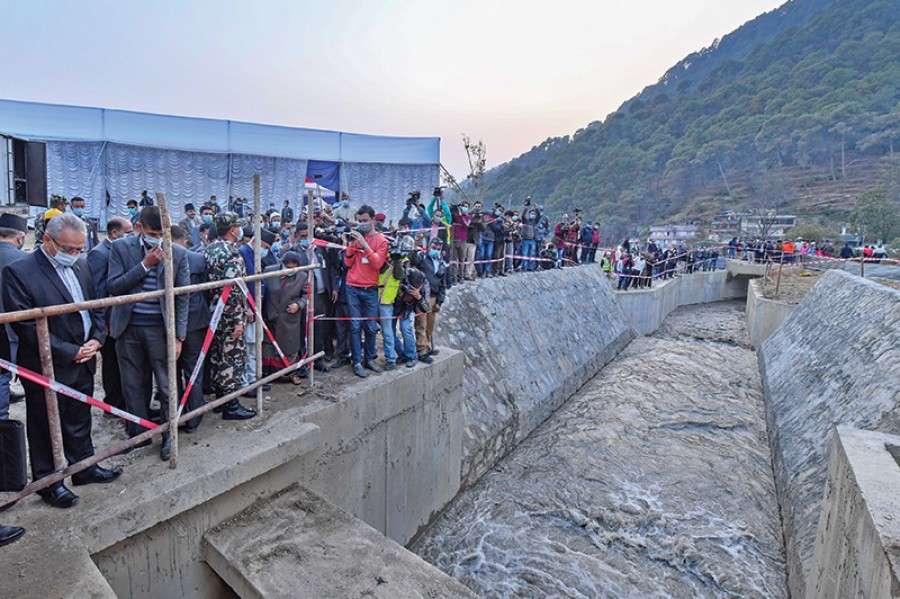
(654, 480)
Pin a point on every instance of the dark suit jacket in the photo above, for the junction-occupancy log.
(126, 276)
(32, 282)
(8, 254)
(329, 277)
(98, 260)
(198, 312)
(438, 280)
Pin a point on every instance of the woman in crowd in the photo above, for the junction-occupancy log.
(284, 308)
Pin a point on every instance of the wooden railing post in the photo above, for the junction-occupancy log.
(53, 422)
(171, 335)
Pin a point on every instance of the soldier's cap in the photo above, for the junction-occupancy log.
(227, 219)
(13, 221)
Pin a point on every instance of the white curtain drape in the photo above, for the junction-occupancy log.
(75, 168)
(385, 187)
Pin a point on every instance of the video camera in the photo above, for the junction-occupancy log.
(414, 197)
(438, 192)
(528, 200)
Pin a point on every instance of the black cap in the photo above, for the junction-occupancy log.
(248, 232)
(189, 206)
(266, 236)
(13, 221)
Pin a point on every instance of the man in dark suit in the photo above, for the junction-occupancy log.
(53, 275)
(12, 237)
(325, 282)
(197, 323)
(136, 266)
(98, 260)
(8, 534)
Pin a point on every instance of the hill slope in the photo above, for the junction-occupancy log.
(804, 98)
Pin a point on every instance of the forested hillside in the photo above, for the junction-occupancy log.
(802, 103)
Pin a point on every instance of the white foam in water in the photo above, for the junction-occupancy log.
(654, 480)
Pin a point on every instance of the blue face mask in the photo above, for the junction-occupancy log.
(345, 203)
(132, 211)
(276, 247)
(78, 211)
(464, 209)
(263, 252)
(207, 218)
(435, 254)
(151, 242)
(64, 259)
(304, 243)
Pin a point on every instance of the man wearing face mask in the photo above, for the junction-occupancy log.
(98, 260)
(136, 266)
(364, 258)
(131, 207)
(438, 276)
(228, 354)
(93, 227)
(461, 221)
(12, 239)
(190, 219)
(206, 217)
(529, 235)
(344, 211)
(324, 283)
(57, 274)
(267, 259)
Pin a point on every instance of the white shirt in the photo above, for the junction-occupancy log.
(70, 280)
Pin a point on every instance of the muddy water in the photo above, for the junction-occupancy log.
(654, 480)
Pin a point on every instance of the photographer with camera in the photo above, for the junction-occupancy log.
(364, 257)
(413, 211)
(460, 235)
(389, 281)
(498, 226)
(529, 236)
(413, 297)
(560, 232)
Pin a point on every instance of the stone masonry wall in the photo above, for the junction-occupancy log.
(832, 362)
(530, 341)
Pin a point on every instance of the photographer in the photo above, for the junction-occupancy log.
(413, 212)
(461, 221)
(497, 226)
(529, 236)
(437, 206)
(389, 281)
(560, 232)
(364, 257)
(413, 297)
(485, 250)
(473, 239)
(438, 276)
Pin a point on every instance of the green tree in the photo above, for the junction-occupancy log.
(875, 217)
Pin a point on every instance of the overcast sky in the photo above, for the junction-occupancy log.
(511, 73)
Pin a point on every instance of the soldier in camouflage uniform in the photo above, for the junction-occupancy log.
(228, 354)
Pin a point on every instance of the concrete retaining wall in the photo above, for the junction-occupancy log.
(530, 342)
(647, 308)
(764, 315)
(832, 362)
(857, 550)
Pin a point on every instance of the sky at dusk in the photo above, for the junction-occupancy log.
(511, 73)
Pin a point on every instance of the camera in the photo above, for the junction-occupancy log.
(414, 197)
(528, 200)
(438, 192)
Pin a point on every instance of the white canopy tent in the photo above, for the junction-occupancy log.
(92, 152)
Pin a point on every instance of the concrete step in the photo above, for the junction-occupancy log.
(298, 545)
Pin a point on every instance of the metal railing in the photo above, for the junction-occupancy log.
(41, 314)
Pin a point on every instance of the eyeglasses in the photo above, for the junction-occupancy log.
(65, 249)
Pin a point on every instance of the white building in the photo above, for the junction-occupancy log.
(672, 235)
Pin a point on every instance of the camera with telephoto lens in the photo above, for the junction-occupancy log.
(414, 197)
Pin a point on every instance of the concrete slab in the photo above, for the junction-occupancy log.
(298, 545)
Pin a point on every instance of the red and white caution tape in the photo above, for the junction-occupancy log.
(207, 341)
(45, 382)
(259, 319)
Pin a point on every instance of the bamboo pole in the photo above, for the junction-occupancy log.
(171, 335)
(257, 288)
(53, 422)
(128, 444)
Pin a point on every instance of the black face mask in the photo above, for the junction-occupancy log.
(364, 228)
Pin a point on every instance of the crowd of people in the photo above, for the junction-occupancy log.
(373, 277)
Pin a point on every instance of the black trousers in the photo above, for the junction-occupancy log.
(143, 357)
(74, 416)
(190, 351)
(343, 330)
(112, 379)
(321, 309)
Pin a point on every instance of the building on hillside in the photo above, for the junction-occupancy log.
(754, 226)
(672, 235)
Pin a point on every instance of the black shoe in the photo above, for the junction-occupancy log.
(434, 352)
(15, 397)
(401, 360)
(411, 364)
(220, 409)
(371, 365)
(340, 362)
(8, 534)
(359, 371)
(267, 387)
(425, 358)
(235, 411)
(188, 429)
(165, 450)
(390, 365)
(320, 366)
(96, 474)
(59, 496)
(302, 372)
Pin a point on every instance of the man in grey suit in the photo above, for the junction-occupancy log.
(135, 266)
(98, 260)
(12, 237)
